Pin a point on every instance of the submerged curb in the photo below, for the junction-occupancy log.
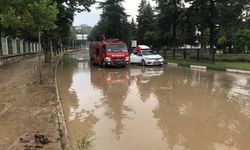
(62, 128)
(238, 71)
(206, 68)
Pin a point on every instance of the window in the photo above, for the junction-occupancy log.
(117, 48)
(148, 53)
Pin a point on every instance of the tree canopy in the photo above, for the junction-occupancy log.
(145, 20)
(113, 22)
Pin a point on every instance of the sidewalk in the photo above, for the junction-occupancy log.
(25, 105)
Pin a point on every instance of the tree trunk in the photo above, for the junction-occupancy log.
(165, 52)
(230, 49)
(224, 49)
(1, 52)
(46, 47)
(0, 29)
(202, 42)
(39, 59)
(185, 54)
(51, 49)
(174, 42)
(61, 48)
(212, 30)
(202, 31)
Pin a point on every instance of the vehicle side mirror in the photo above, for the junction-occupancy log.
(139, 54)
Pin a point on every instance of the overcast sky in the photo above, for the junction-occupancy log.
(91, 18)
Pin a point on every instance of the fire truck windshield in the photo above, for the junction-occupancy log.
(117, 48)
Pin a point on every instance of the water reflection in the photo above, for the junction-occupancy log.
(114, 85)
(156, 107)
(190, 113)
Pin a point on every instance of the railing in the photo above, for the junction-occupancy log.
(13, 50)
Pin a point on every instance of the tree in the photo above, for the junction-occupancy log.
(168, 20)
(11, 17)
(149, 38)
(231, 16)
(145, 19)
(40, 16)
(241, 40)
(32, 16)
(222, 41)
(133, 29)
(61, 35)
(113, 22)
(35, 18)
(222, 17)
(187, 28)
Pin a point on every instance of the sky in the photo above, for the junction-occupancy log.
(91, 18)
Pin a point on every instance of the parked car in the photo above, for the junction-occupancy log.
(146, 57)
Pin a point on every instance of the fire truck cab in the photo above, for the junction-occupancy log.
(109, 53)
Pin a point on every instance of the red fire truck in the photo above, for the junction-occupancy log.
(109, 53)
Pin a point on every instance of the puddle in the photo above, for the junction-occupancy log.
(154, 107)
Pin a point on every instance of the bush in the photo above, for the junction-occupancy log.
(233, 58)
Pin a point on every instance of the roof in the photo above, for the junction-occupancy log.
(144, 46)
(115, 42)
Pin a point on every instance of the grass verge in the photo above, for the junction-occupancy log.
(221, 66)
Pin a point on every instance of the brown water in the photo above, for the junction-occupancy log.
(155, 108)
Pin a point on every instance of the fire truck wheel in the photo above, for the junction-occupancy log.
(103, 64)
(91, 61)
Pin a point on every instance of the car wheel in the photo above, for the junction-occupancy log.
(143, 63)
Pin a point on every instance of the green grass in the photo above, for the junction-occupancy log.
(222, 66)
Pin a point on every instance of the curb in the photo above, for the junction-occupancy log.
(172, 64)
(206, 68)
(63, 132)
(238, 71)
(198, 67)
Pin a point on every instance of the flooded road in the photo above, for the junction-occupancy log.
(155, 108)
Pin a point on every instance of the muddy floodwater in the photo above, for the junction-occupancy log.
(154, 108)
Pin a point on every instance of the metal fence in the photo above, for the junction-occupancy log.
(205, 54)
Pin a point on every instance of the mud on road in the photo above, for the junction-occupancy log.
(26, 106)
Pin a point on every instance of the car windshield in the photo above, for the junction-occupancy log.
(117, 48)
(148, 53)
